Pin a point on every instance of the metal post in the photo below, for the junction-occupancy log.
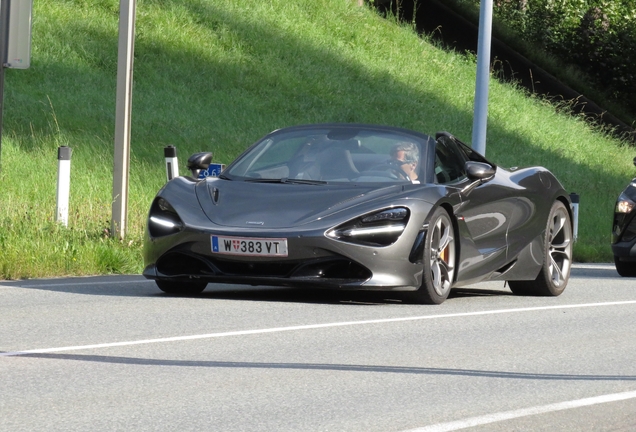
(172, 163)
(4, 40)
(63, 183)
(480, 115)
(122, 117)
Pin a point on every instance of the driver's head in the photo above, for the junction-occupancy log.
(406, 152)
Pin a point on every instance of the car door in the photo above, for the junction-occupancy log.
(484, 214)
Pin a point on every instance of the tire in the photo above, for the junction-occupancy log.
(557, 257)
(439, 260)
(625, 268)
(181, 288)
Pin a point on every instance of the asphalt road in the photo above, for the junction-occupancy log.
(114, 353)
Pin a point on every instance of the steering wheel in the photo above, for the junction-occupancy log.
(394, 168)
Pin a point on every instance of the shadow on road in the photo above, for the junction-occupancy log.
(137, 286)
(333, 367)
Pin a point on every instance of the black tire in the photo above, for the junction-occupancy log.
(625, 268)
(557, 257)
(439, 260)
(181, 288)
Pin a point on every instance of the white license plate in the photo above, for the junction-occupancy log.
(249, 246)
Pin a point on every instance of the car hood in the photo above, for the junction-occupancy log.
(278, 205)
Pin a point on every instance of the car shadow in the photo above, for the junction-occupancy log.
(111, 285)
(305, 295)
(137, 286)
(478, 292)
(348, 297)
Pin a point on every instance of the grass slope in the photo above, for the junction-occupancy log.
(217, 75)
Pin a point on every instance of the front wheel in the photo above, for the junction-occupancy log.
(181, 288)
(625, 268)
(557, 257)
(439, 260)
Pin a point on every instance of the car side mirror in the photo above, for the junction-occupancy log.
(479, 170)
(199, 162)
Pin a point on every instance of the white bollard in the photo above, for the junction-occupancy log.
(172, 163)
(63, 183)
(575, 215)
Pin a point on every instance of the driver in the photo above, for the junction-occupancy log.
(406, 156)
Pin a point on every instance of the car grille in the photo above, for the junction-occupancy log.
(180, 263)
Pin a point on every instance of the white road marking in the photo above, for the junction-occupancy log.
(524, 412)
(311, 327)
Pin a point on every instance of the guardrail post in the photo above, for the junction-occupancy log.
(63, 183)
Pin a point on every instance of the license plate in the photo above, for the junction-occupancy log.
(249, 246)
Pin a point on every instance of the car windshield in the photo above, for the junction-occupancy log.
(318, 156)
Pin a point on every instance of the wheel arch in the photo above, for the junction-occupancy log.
(568, 206)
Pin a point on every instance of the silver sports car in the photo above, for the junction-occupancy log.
(352, 206)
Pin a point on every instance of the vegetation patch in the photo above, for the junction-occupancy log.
(593, 38)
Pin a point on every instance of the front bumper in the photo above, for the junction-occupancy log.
(624, 236)
(626, 251)
(314, 261)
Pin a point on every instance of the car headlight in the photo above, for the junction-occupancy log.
(396, 214)
(624, 204)
(381, 228)
(163, 219)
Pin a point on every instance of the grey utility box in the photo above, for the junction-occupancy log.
(19, 40)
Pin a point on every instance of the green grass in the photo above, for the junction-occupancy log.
(217, 75)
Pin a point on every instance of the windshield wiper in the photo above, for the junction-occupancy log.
(303, 181)
(286, 181)
(262, 180)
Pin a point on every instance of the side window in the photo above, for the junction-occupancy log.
(449, 162)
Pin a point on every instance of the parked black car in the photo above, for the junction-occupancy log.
(624, 231)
